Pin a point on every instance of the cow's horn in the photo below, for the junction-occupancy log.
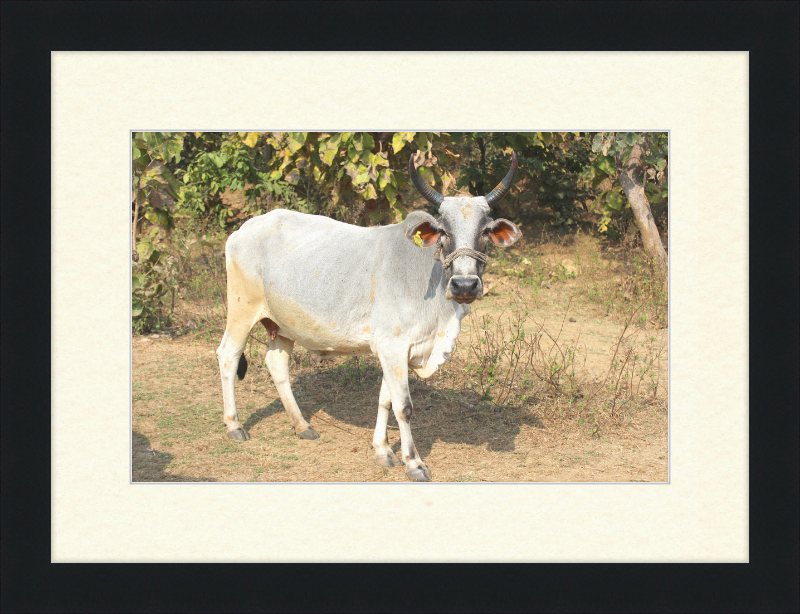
(504, 186)
(423, 188)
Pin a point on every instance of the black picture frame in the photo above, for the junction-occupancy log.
(767, 30)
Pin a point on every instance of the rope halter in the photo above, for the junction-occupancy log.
(461, 251)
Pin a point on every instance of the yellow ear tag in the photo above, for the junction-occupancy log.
(418, 238)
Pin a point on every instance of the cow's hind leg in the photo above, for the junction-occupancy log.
(395, 378)
(229, 355)
(245, 308)
(278, 354)
(380, 442)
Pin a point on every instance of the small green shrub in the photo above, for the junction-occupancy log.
(152, 281)
(233, 167)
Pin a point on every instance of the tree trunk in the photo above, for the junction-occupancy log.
(631, 180)
(135, 222)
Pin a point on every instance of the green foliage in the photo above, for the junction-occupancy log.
(557, 168)
(152, 280)
(155, 188)
(610, 152)
(232, 162)
(486, 159)
(360, 177)
(551, 165)
(342, 173)
(567, 172)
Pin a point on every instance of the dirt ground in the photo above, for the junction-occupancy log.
(178, 434)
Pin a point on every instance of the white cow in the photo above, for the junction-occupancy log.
(346, 290)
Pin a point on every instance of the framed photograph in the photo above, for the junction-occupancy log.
(530, 356)
(102, 511)
(171, 426)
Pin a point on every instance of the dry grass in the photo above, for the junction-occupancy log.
(557, 376)
(177, 416)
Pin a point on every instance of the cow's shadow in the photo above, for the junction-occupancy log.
(260, 414)
(150, 465)
(349, 393)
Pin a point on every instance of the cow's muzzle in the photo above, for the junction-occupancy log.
(464, 288)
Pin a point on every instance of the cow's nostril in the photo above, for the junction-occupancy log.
(465, 285)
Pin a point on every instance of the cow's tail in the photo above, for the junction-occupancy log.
(242, 368)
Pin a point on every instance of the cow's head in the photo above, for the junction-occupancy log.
(462, 233)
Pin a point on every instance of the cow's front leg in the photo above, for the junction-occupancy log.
(395, 378)
(380, 442)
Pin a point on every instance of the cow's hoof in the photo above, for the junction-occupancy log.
(309, 433)
(388, 460)
(239, 434)
(418, 474)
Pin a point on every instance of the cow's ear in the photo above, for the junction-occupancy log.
(503, 233)
(424, 233)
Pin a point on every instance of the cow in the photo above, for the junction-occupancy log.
(398, 292)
